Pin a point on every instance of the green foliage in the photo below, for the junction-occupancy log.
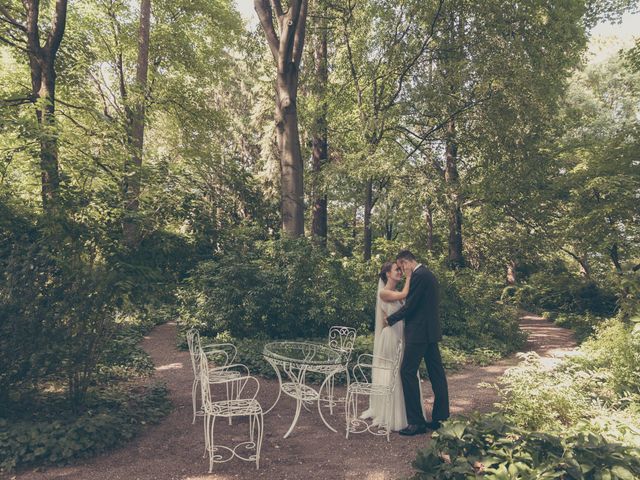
(271, 289)
(568, 293)
(491, 446)
(470, 310)
(538, 398)
(57, 304)
(583, 325)
(614, 350)
(597, 384)
(112, 417)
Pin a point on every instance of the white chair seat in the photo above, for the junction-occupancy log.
(223, 375)
(362, 388)
(234, 408)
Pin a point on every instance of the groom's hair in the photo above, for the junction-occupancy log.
(405, 255)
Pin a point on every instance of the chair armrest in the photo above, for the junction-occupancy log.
(234, 367)
(376, 362)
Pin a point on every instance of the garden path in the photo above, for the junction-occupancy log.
(173, 449)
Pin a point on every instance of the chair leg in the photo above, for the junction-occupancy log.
(211, 444)
(205, 422)
(331, 385)
(347, 410)
(229, 397)
(346, 370)
(260, 425)
(194, 395)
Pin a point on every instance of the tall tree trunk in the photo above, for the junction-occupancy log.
(455, 258)
(585, 269)
(286, 47)
(49, 166)
(136, 118)
(354, 223)
(615, 258)
(388, 230)
(320, 150)
(429, 221)
(42, 60)
(512, 276)
(368, 206)
(582, 260)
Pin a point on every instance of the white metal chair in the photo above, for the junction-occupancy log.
(380, 382)
(341, 339)
(243, 404)
(220, 356)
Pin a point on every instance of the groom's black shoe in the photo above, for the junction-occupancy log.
(413, 430)
(434, 425)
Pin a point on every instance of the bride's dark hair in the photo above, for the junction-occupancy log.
(386, 268)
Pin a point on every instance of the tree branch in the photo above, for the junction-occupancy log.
(11, 43)
(298, 39)
(58, 24)
(263, 9)
(33, 34)
(11, 19)
(287, 34)
(277, 6)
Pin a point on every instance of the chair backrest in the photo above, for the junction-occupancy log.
(193, 341)
(342, 340)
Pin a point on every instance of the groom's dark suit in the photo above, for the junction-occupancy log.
(422, 332)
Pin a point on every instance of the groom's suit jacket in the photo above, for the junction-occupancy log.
(420, 311)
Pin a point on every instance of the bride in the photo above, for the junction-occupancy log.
(385, 344)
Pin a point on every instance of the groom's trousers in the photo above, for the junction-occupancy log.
(413, 355)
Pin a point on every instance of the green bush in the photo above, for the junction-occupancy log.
(470, 311)
(111, 417)
(583, 325)
(561, 291)
(57, 305)
(272, 289)
(597, 384)
(491, 446)
(615, 351)
(539, 398)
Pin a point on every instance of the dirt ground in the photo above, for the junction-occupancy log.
(174, 448)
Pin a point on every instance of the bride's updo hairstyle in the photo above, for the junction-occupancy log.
(386, 268)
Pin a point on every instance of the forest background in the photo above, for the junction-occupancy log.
(169, 160)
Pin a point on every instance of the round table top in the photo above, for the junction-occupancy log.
(306, 353)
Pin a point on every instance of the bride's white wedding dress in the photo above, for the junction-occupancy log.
(385, 345)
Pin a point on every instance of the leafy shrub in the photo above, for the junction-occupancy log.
(598, 384)
(112, 417)
(539, 398)
(491, 446)
(583, 325)
(564, 292)
(470, 311)
(58, 309)
(615, 350)
(272, 289)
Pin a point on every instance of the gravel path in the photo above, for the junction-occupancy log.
(173, 449)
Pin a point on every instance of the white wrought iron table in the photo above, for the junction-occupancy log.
(294, 360)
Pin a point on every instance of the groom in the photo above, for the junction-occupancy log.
(422, 332)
